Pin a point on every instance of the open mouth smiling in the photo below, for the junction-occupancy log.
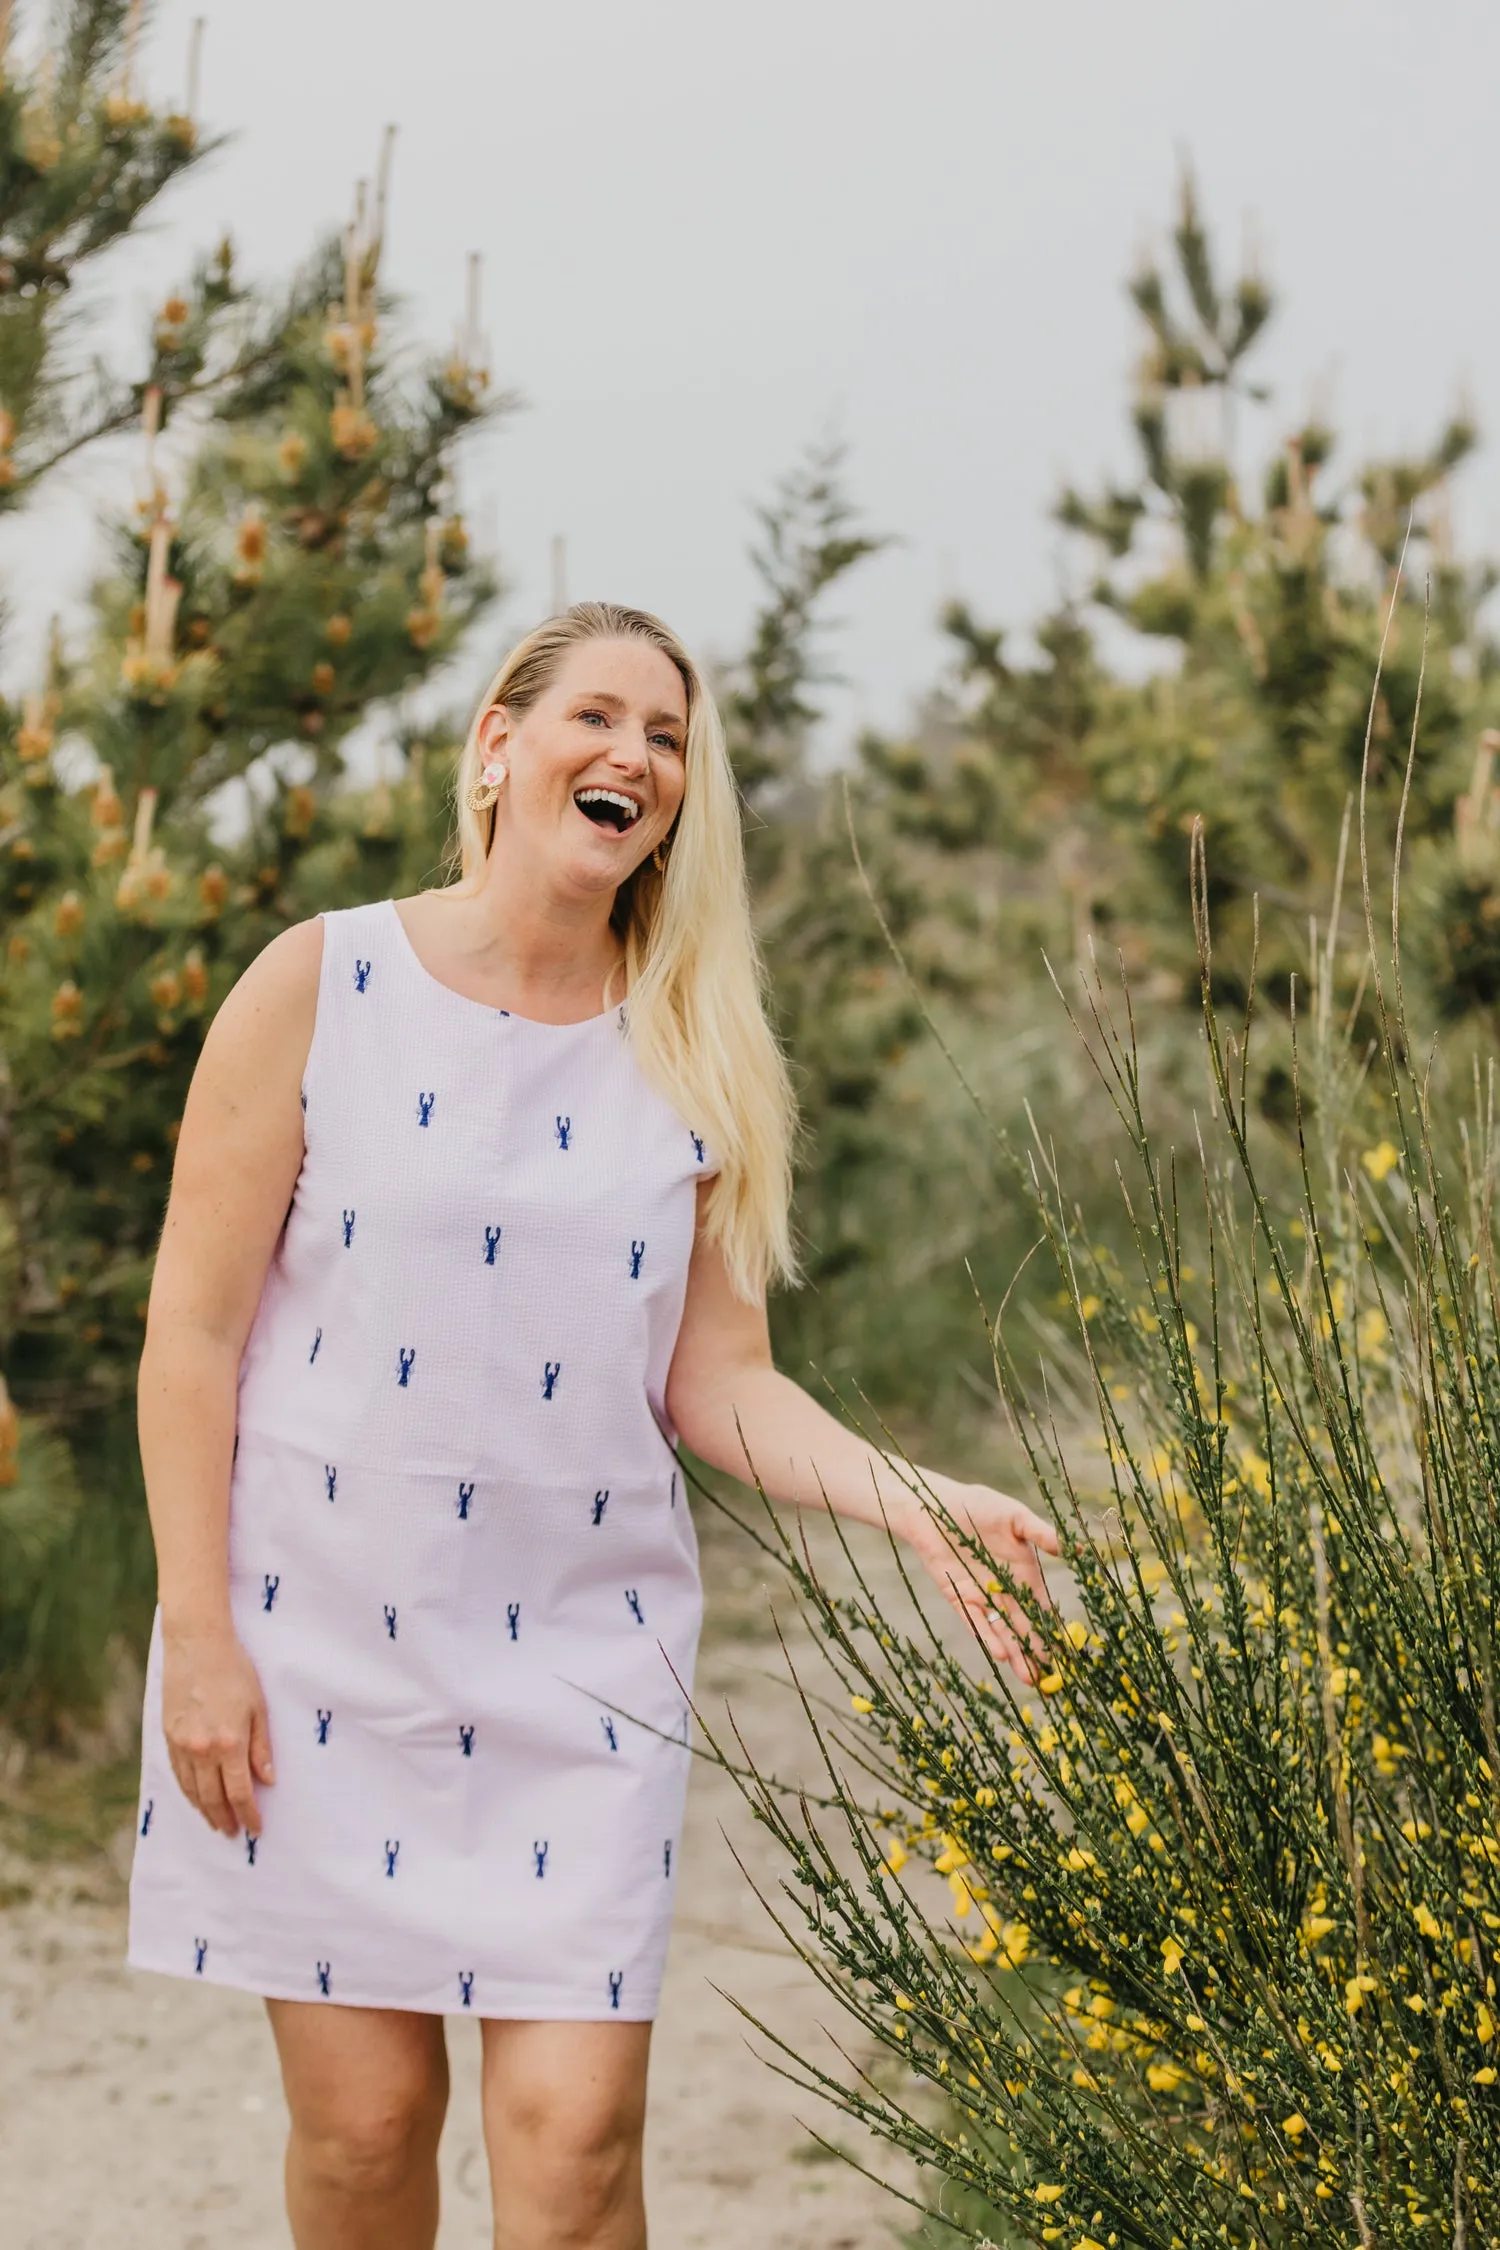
(608, 808)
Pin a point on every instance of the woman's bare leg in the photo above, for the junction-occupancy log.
(564, 2111)
(367, 2089)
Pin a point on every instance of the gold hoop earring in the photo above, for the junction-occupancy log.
(659, 860)
(485, 787)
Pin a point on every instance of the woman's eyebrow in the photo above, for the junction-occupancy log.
(617, 703)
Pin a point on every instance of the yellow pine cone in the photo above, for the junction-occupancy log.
(67, 1009)
(145, 675)
(250, 547)
(213, 888)
(67, 916)
(35, 735)
(353, 431)
(423, 627)
(300, 810)
(170, 322)
(123, 109)
(108, 812)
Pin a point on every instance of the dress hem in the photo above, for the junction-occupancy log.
(535, 2010)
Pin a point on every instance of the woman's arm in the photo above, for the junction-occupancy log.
(729, 1404)
(238, 1154)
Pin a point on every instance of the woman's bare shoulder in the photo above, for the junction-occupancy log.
(273, 1004)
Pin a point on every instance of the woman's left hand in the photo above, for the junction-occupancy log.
(1013, 1535)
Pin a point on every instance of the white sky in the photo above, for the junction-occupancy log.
(712, 232)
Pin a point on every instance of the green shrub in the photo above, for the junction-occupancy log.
(1217, 1959)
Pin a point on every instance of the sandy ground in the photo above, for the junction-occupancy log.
(144, 2113)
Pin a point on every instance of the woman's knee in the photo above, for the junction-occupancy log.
(372, 2144)
(582, 2159)
(364, 2121)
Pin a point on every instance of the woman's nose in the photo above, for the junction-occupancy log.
(629, 751)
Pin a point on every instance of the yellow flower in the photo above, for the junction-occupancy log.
(1165, 2078)
(1078, 1632)
(860, 1703)
(1484, 2025)
(1048, 2194)
(1380, 1160)
(1049, 1683)
(896, 1857)
(1294, 2126)
(1171, 1956)
(1316, 1926)
(1015, 1944)
(903, 2003)
(1485, 2077)
(1078, 1861)
(1428, 1923)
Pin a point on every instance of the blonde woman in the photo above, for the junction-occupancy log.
(476, 1200)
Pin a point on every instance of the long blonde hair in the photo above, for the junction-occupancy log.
(693, 971)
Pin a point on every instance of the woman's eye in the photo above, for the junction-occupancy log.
(666, 742)
(599, 715)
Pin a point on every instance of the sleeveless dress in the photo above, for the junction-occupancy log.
(460, 1552)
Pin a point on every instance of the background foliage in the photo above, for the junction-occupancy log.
(192, 772)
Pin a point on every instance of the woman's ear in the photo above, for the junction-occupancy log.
(494, 733)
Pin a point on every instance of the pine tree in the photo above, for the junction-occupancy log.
(1269, 617)
(177, 791)
(885, 1182)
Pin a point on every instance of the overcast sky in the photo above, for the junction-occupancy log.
(712, 232)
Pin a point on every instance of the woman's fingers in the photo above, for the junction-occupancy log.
(1034, 1530)
(182, 1770)
(218, 1735)
(209, 1796)
(992, 1625)
(260, 1746)
(239, 1789)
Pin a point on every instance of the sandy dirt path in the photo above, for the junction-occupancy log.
(144, 2113)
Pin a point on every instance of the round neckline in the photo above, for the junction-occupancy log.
(487, 1007)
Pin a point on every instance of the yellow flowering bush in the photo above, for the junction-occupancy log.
(1216, 1961)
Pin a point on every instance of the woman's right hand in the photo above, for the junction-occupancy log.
(214, 1718)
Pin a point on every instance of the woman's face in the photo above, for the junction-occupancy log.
(596, 765)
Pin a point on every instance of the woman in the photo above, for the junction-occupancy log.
(476, 1199)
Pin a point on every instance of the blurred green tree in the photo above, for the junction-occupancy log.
(180, 789)
(1262, 621)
